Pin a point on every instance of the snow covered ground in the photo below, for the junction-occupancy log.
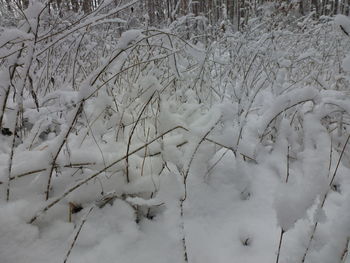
(162, 150)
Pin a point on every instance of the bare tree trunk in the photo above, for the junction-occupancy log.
(87, 6)
(184, 7)
(301, 8)
(24, 4)
(151, 11)
(332, 8)
(316, 4)
(159, 11)
(218, 11)
(236, 15)
(336, 7)
(168, 10)
(304, 7)
(195, 8)
(210, 11)
(230, 9)
(8, 3)
(75, 6)
(246, 12)
(344, 7)
(342, 4)
(204, 7)
(324, 7)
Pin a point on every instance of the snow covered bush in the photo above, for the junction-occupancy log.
(154, 145)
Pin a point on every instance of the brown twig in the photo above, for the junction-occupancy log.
(182, 200)
(58, 150)
(130, 137)
(77, 234)
(73, 165)
(279, 113)
(345, 251)
(280, 245)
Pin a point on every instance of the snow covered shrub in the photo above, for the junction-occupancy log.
(189, 148)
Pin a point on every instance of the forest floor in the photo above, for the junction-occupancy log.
(162, 150)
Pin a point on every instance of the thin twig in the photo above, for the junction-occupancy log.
(345, 251)
(280, 245)
(323, 202)
(76, 186)
(130, 137)
(58, 150)
(341, 156)
(77, 234)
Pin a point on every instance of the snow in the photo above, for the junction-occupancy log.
(158, 145)
(343, 21)
(286, 101)
(346, 63)
(128, 37)
(13, 34)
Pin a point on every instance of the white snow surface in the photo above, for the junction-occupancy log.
(160, 150)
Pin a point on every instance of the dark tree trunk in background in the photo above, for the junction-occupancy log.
(210, 11)
(159, 11)
(184, 7)
(331, 11)
(230, 9)
(236, 15)
(215, 11)
(87, 6)
(196, 8)
(168, 10)
(24, 4)
(336, 7)
(316, 4)
(323, 8)
(8, 3)
(151, 11)
(343, 5)
(304, 7)
(75, 5)
(246, 6)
